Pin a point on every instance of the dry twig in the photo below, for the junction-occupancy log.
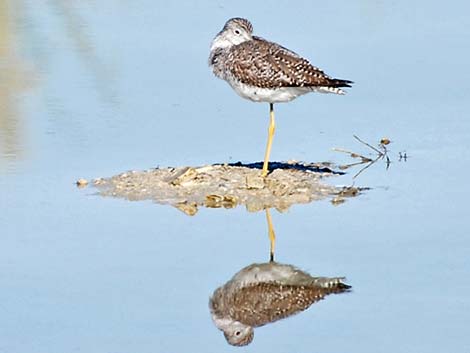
(381, 153)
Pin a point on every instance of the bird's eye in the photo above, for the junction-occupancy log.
(237, 333)
(237, 32)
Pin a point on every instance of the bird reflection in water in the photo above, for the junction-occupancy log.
(263, 293)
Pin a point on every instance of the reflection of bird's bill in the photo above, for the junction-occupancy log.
(264, 293)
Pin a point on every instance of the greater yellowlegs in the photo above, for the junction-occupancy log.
(264, 71)
(263, 293)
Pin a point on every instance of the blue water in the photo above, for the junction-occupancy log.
(91, 89)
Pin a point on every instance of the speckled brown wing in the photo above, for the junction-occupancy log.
(262, 303)
(265, 64)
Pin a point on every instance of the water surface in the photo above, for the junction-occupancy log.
(91, 89)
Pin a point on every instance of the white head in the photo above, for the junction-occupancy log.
(236, 30)
(238, 334)
(235, 332)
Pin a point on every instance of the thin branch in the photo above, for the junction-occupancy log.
(347, 166)
(352, 154)
(368, 145)
(382, 153)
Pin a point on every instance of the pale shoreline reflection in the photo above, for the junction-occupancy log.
(15, 78)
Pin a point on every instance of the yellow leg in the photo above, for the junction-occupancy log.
(272, 236)
(272, 128)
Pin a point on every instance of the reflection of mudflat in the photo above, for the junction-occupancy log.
(264, 293)
(214, 186)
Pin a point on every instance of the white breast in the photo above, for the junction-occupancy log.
(276, 95)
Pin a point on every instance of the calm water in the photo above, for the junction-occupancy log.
(90, 89)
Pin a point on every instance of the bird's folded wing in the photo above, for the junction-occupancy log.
(268, 65)
(259, 304)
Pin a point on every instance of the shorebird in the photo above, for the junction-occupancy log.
(263, 71)
(263, 293)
